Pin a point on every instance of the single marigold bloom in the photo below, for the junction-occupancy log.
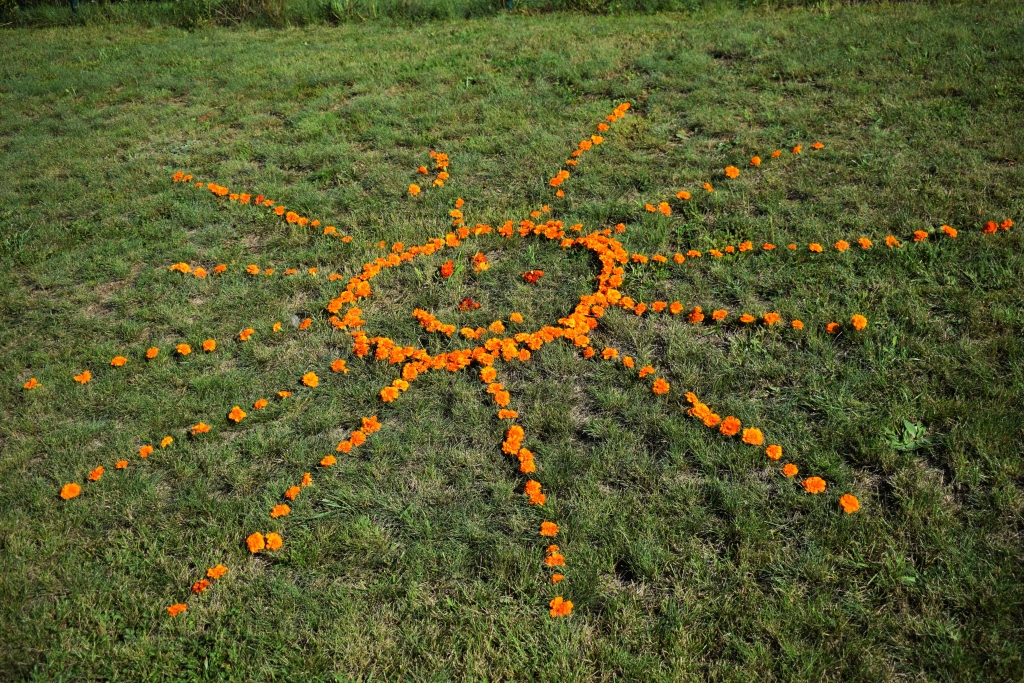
(305, 323)
(949, 230)
(555, 578)
(990, 228)
(814, 485)
(32, 383)
(339, 366)
(414, 189)
(69, 491)
(891, 242)
(732, 171)
(175, 610)
(200, 273)
(200, 586)
(776, 154)
(121, 464)
(292, 492)
(588, 352)
(388, 394)
(96, 474)
(664, 208)
(281, 510)
(216, 572)
(118, 361)
(236, 414)
(859, 322)
(774, 451)
(609, 353)
(555, 559)
(276, 327)
(678, 258)
(628, 362)
(260, 404)
(730, 426)
(791, 247)
(755, 161)
(753, 436)
(697, 315)
(311, 380)
(797, 324)
(920, 235)
(274, 541)
(84, 378)
(815, 247)
(145, 451)
(842, 245)
(507, 414)
(256, 542)
(246, 333)
(798, 149)
(772, 318)
(832, 328)
(200, 428)
(660, 386)
(646, 370)
(746, 318)
(865, 243)
(715, 252)
(328, 460)
(719, 314)
(447, 268)
(682, 194)
(708, 187)
(768, 246)
(210, 345)
(560, 607)
(183, 349)
(849, 503)
(220, 268)
(283, 394)
(675, 308)
(816, 145)
(790, 470)
(1006, 224)
(307, 479)
(516, 317)
(548, 529)
(496, 327)
(252, 269)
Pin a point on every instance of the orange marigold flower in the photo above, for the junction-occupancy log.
(496, 327)
(283, 394)
(791, 247)
(865, 243)
(200, 586)
(246, 333)
(859, 322)
(790, 470)
(200, 428)
(719, 314)
(697, 315)
(305, 323)
(220, 268)
(118, 361)
(252, 269)
(628, 362)
(210, 345)
(292, 492)
(307, 479)
(339, 366)
(815, 247)
(281, 510)
(664, 208)
(216, 572)
(849, 503)
(746, 318)
(145, 451)
(447, 269)
(920, 235)
(774, 451)
(516, 318)
(256, 542)
(732, 171)
(388, 394)
(609, 353)
(798, 149)
(776, 154)
(682, 194)
(797, 324)
(816, 145)
(328, 460)
(708, 187)
(32, 383)
(260, 404)
(276, 327)
(560, 607)
(548, 529)
(279, 210)
(814, 485)
(675, 308)
(753, 436)
(96, 474)
(891, 242)
(555, 578)
(121, 464)
(660, 386)
(771, 318)
(236, 414)
(83, 378)
(646, 370)
(730, 426)
(274, 541)
(183, 349)
(842, 245)
(949, 230)
(832, 328)
(69, 491)
(678, 258)
(175, 610)
(311, 380)
(507, 414)
(755, 161)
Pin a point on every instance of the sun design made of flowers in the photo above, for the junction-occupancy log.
(503, 342)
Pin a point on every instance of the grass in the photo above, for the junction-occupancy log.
(689, 557)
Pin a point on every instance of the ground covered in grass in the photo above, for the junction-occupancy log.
(689, 556)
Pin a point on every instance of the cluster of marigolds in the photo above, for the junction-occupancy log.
(575, 328)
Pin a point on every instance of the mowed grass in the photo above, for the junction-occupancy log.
(416, 558)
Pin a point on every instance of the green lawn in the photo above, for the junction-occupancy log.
(416, 557)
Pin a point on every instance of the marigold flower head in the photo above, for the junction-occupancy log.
(815, 247)
(516, 317)
(730, 426)
(274, 541)
(790, 470)
(865, 243)
(753, 436)
(246, 333)
(664, 208)
(814, 485)
(832, 328)
(548, 529)
(774, 451)
(682, 194)
(216, 572)
(798, 149)
(560, 607)
(708, 187)
(281, 510)
(732, 171)
(849, 503)
(284, 394)
(339, 365)
(183, 349)
(200, 586)
(842, 245)
(660, 386)
(696, 315)
(176, 609)
(69, 491)
(307, 479)
(200, 428)
(210, 345)
(949, 230)
(311, 380)
(859, 322)
(121, 464)
(555, 578)
(83, 378)
(260, 404)
(256, 542)
(920, 235)
(1006, 224)
(32, 383)
(797, 324)
(145, 451)
(746, 318)
(118, 361)
(328, 460)
(291, 493)
(776, 154)
(891, 241)
(719, 314)
(96, 474)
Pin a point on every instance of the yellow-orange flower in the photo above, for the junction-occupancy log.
(771, 318)
(183, 349)
(118, 361)
(83, 378)
(274, 541)
(96, 474)
(281, 510)
(121, 464)
(200, 428)
(328, 460)
(246, 333)
(859, 322)
(32, 383)
(560, 607)
(256, 542)
(260, 404)
(797, 324)
(849, 503)
(210, 345)
(660, 386)
(753, 436)
(145, 451)
(730, 426)
(152, 352)
(790, 470)
(216, 572)
(949, 230)
(746, 318)
(292, 492)
(548, 529)
(69, 491)
(236, 414)
(310, 379)
(842, 245)
(814, 485)
(832, 328)
(732, 171)
(815, 247)
(774, 451)
(682, 194)
(176, 609)
(166, 441)
(719, 314)
(755, 161)
(516, 317)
